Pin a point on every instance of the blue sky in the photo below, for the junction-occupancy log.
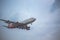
(44, 28)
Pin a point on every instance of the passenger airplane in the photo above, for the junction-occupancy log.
(22, 25)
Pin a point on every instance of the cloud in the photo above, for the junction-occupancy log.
(44, 28)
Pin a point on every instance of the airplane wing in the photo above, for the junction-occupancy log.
(6, 21)
(28, 21)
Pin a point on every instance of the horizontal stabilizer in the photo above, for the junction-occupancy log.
(4, 26)
(2, 20)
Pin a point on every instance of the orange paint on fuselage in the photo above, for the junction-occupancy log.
(11, 25)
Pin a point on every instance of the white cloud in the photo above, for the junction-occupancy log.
(42, 29)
